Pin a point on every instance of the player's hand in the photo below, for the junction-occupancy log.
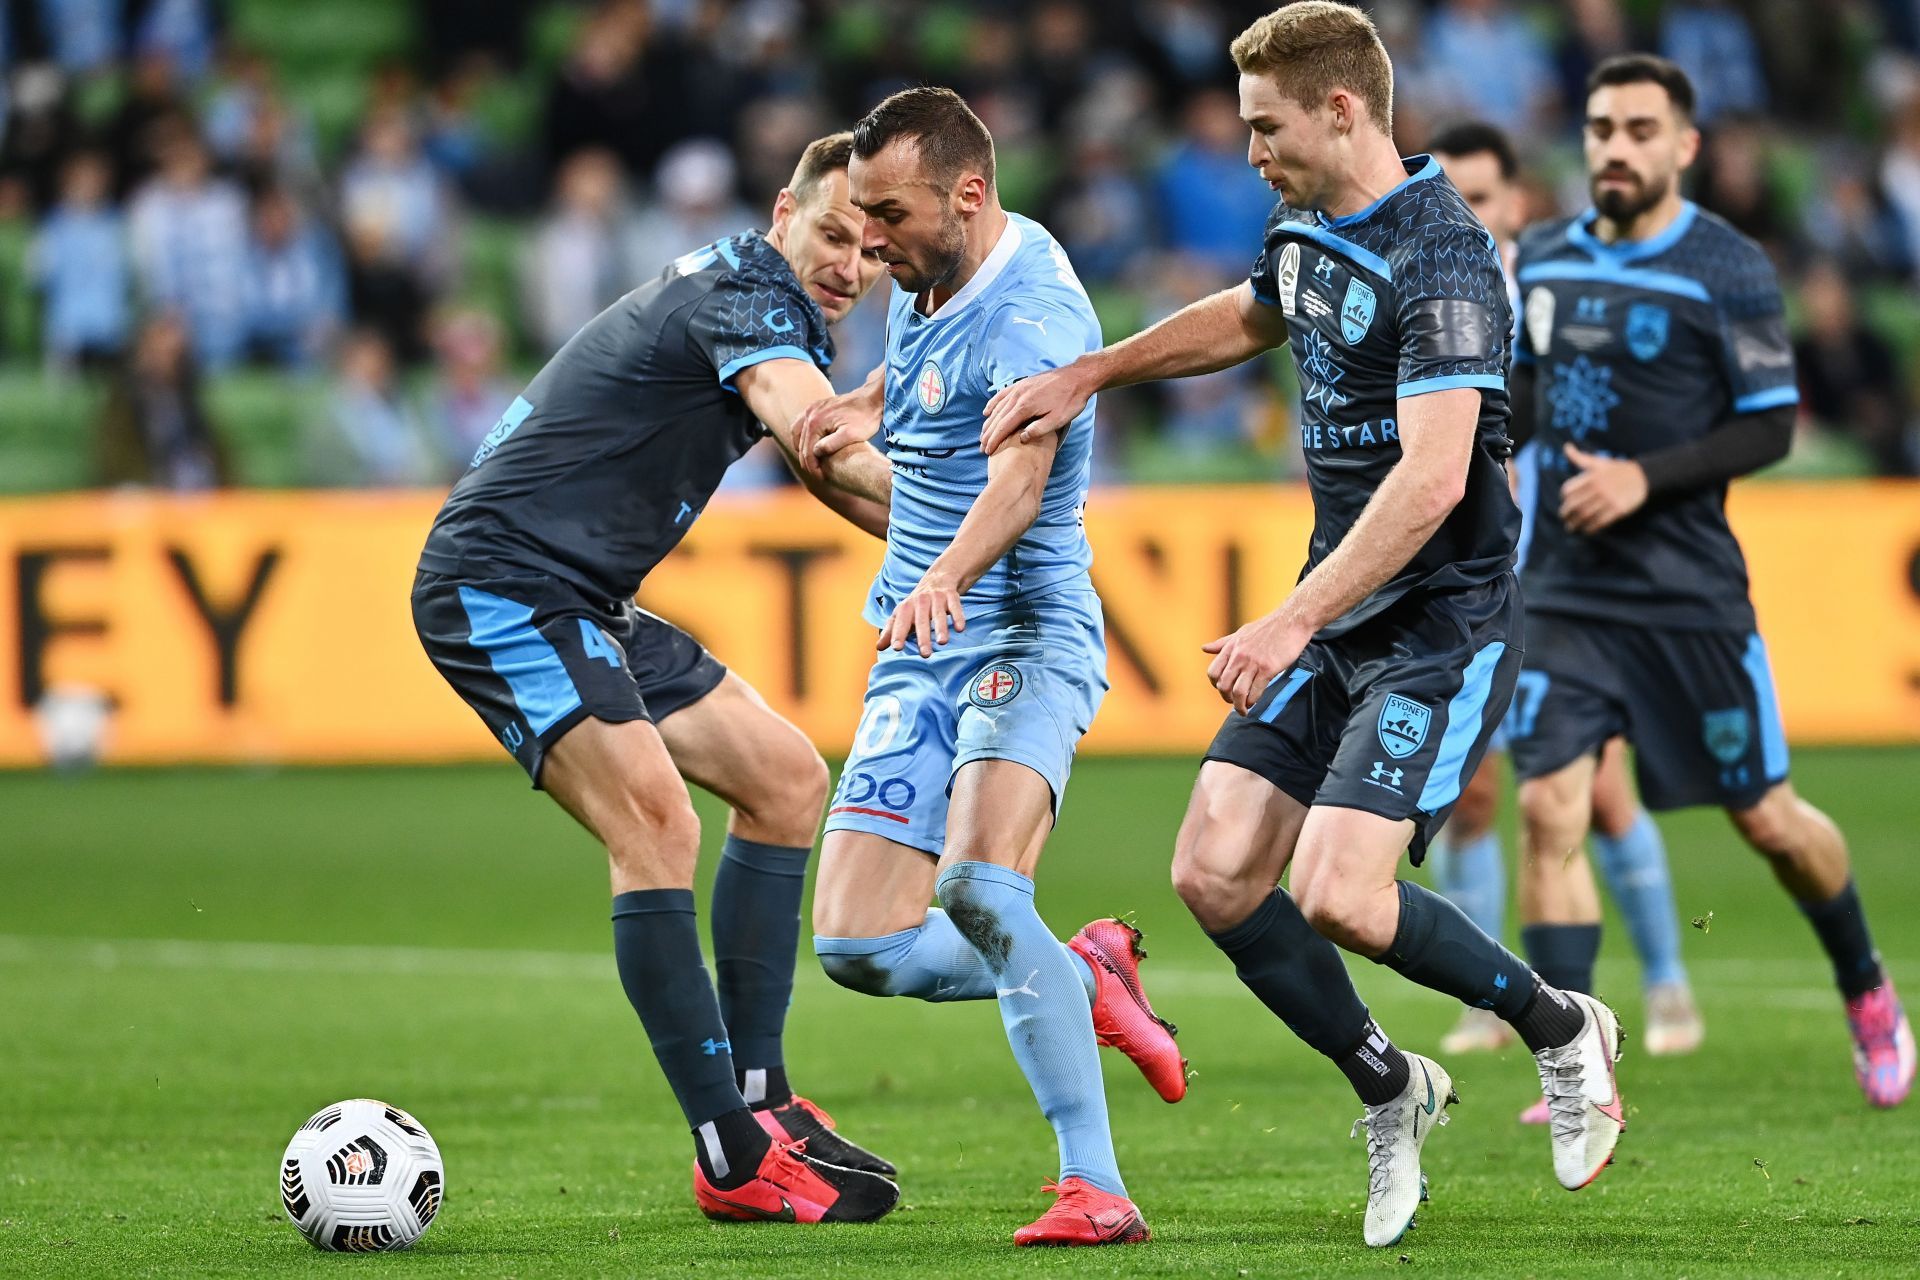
(825, 427)
(924, 614)
(1604, 491)
(1249, 660)
(1033, 407)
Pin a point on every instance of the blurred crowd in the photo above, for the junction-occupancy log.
(391, 211)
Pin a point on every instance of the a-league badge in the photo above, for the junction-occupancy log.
(996, 686)
(1289, 278)
(932, 387)
(1403, 725)
(1647, 325)
(1356, 313)
(1540, 319)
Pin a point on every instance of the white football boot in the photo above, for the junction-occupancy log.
(1396, 1131)
(1585, 1113)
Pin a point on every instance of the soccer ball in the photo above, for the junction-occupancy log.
(362, 1176)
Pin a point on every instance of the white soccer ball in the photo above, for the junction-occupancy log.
(362, 1176)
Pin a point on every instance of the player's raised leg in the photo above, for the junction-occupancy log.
(1467, 867)
(1000, 815)
(731, 743)
(1809, 858)
(620, 783)
(1235, 841)
(1632, 860)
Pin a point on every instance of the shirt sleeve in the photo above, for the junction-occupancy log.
(744, 321)
(1756, 354)
(1026, 338)
(1263, 277)
(1454, 319)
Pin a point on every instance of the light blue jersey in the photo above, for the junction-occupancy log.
(1023, 681)
(1024, 311)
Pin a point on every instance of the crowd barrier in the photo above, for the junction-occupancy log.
(254, 626)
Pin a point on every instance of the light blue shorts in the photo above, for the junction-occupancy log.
(1019, 685)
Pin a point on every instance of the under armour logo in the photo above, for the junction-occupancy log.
(1040, 324)
(1323, 270)
(1384, 776)
(712, 1047)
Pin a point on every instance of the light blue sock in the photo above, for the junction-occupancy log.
(1473, 878)
(1635, 869)
(931, 962)
(1044, 1009)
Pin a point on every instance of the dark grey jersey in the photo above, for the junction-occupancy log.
(1403, 298)
(602, 464)
(1639, 346)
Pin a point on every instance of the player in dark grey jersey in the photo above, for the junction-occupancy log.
(524, 602)
(1654, 366)
(1363, 702)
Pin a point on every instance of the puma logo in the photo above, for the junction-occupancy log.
(1040, 324)
(1024, 989)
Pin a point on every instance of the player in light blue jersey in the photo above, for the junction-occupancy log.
(992, 653)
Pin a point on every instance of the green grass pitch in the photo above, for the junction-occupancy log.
(192, 962)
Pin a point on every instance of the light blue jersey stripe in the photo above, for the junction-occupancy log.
(1464, 711)
(520, 655)
(1773, 737)
(1609, 273)
(1771, 398)
(1423, 386)
(1346, 248)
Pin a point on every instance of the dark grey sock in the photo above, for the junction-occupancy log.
(656, 943)
(1549, 1019)
(1842, 926)
(1377, 1070)
(1298, 974)
(1438, 947)
(756, 934)
(1563, 954)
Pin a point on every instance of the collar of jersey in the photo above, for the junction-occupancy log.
(1428, 168)
(1003, 250)
(1580, 235)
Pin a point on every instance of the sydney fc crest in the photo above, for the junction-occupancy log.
(1289, 277)
(1647, 324)
(932, 387)
(1727, 733)
(1356, 313)
(1403, 725)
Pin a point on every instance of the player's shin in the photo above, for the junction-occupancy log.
(1472, 875)
(1300, 976)
(1634, 865)
(756, 933)
(1043, 1005)
(930, 961)
(656, 943)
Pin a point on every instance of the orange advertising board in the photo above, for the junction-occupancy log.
(275, 626)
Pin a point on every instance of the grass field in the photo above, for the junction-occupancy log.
(192, 962)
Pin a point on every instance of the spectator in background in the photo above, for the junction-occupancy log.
(392, 193)
(1100, 212)
(367, 437)
(152, 110)
(573, 269)
(84, 36)
(256, 133)
(1595, 31)
(468, 393)
(1215, 413)
(1713, 44)
(1900, 175)
(1485, 60)
(635, 91)
(1849, 378)
(1732, 179)
(696, 205)
(1212, 206)
(189, 234)
(383, 295)
(80, 264)
(181, 30)
(296, 290)
(1848, 220)
(153, 431)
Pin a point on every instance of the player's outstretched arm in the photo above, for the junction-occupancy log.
(1214, 333)
(855, 482)
(828, 426)
(1005, 509)
(1436, 448)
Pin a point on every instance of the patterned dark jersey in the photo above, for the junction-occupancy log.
(1639, 346)
(601, 465)
(1403, 298)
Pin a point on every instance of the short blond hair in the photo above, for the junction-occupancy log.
(1313, 47)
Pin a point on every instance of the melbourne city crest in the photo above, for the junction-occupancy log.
(1647, 324)
(1356, 313)
(1403, 725)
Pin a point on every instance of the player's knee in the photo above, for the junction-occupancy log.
(1217, 898)
(1771, 827)
(865, 972)
(1333, 913)
(1548, 806)
(799, 785)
